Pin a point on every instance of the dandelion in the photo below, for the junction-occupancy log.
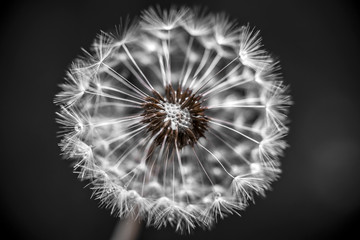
(177, 119)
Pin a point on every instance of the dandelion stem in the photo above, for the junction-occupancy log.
(126, 229)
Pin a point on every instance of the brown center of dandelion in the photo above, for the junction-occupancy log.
(176, 118)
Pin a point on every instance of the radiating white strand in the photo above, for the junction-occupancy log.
(244, 103)
(203, 62)
(276, 121)
(202, 167)
(130, 136)
(250, 129)
(213, 64)
(162, 69)
(122, 92)
(180, 165)
(186, 59)
(173, 175)
(187, 74)
(97, 101)
(137, 76)
(116, 104)
(121, 136)
(126, 153)
(99, 53)
(136, 65)
(231, 147)
(230, 105)
(159, 157)
(217, 159)
(229, 87)
(113, 97)
(117, 120)
(242, 134)
(210, 69)
(155, 159)
(125, 81)
(166, 49)
(147, 155)
(166, 164)
(221, 82)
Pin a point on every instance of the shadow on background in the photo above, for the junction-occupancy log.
(318, 194)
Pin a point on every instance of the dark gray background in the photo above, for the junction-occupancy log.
(318, 195)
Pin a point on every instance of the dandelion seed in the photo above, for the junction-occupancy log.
(177, 119)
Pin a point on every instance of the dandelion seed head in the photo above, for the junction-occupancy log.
(178, 118)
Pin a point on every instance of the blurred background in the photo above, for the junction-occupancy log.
(318, 195)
